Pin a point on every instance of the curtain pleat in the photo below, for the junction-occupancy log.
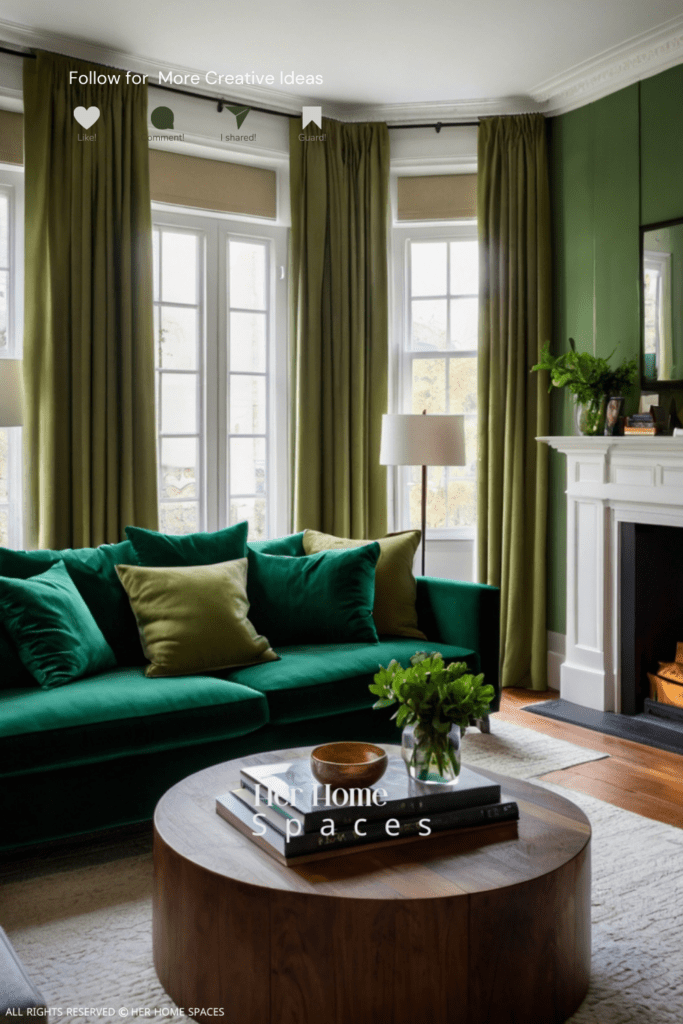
(339, 327)
(88, 344)
(513, 213)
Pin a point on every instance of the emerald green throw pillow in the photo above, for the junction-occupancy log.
(193, 618)
(160, 549)
(323, 598)
(93, 570)
(53, 630)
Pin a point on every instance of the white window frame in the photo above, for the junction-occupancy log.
(217, 229)
(12, 184)
(401, 356)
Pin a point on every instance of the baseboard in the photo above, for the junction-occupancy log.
(557, 649)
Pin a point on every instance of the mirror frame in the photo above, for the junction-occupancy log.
(645, 384)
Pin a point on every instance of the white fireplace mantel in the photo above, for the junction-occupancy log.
(610, 481)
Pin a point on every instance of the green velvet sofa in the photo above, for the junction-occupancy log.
(99, 752)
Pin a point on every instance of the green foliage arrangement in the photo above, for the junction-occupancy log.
(432, 696)
(588, 377)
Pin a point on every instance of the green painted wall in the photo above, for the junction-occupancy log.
(614, 165)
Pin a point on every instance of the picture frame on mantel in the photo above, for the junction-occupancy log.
(613, 414)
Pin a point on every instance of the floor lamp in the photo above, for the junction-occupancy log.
(410, 440)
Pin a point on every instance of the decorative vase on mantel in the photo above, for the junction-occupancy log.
(431, 758)
(589, 417)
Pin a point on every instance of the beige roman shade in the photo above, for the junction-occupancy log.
(11, 137)
(212, 184)
(437, 197)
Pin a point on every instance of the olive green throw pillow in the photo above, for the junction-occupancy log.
(395, 587)
(193, 619)
(52, 628)
(319, 599)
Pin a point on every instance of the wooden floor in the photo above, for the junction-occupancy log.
(634, 776)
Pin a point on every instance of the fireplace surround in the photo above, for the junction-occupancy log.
(619, 489)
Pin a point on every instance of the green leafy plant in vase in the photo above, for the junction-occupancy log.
(590, 379)
(436, 704)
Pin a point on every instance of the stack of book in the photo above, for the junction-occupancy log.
(282, 809)
(644, 423)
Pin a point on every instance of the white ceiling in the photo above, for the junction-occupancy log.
(447, 57)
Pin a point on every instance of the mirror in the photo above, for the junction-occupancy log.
(662, 303)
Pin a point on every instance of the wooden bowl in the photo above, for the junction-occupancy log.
(348, 764)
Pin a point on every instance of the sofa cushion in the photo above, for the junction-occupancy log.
(52, 628)
(93, 571)
(323, 598)
(121, 713)
(394, 610)
(292, 545)
(161, 549)
(193, 618)
(312, 681)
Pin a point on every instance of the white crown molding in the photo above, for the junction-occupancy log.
(637, 58)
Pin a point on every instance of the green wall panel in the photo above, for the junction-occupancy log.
(661, 141)
(594, 168)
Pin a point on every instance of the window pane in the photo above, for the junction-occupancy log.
(4, 527)
(429, 385)
(4, 303)
(429, 324)
(178, 403)
(247, 275)
(254, 511)
(248, 342)
(4, 230)
(464, 324)
(428, 262)
(178, 338)
(436, 497)
(179, 517)
(179, 467)
(247, 465)
(462, 502)
(178, 267)
(462, 385)
(464, 268)
(155, 264)
(247, 405)
(4, 465)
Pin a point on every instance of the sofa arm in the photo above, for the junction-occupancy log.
(466, 615)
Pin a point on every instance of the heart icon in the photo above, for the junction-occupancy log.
(86, 118)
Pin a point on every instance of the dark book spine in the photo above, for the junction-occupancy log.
(427, 803)
(296, 846)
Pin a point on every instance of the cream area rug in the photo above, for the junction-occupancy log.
(84, 932)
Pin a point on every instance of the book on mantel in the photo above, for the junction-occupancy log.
(299, 796)
(267, 829)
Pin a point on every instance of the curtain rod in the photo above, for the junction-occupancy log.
(221, 103)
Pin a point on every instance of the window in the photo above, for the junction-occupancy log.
(437, 371)
(219, 298)
(11, 288)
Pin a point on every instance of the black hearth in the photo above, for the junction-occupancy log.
(651, 608)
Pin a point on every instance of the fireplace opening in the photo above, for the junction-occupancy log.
(651, 618)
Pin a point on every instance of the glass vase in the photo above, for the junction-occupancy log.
(431, 757)
(589, 417)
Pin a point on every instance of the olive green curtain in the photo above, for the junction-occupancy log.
(513, 211)
(339, 330)
(88, 342)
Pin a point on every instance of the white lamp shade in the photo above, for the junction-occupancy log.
(410, 440)
(11, 393)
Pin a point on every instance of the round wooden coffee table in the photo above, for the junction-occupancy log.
(487, 927)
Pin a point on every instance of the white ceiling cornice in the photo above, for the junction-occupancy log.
(641, 57)
(622, 65)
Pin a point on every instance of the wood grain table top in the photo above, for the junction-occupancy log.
(550, 833)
